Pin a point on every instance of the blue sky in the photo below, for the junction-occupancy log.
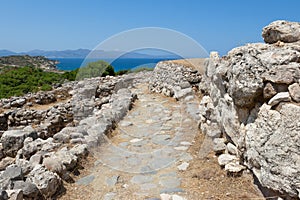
(71, 24)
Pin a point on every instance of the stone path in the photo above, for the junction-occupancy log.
(148, 149)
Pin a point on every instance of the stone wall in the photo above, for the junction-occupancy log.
(174, 79)
(252, 103)
(35, 159)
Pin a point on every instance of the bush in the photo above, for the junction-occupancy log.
(121, 72)
(46, 87)
(95, 69)
(70, 75)
(19, 81)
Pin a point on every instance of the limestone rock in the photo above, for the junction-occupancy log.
(80, 150)
(6, 162)
(173, 79)
(212, 130)
(294, 91)
(269, 91)
(224, 159)
(280, 97)
(3, 194)
(232, 149)
(283, 74)
(3, 122)
(240, 86)
(47, 182)
(182, 93)
(234, 167)
(12, 141)
(272, 149)
(13, 172)
(30, 191)
(15, 194)
(281, 31)
(219, 145)
(183, 166)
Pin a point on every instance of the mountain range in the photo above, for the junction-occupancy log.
(82, 53)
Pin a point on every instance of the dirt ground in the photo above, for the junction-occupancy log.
(204, 179)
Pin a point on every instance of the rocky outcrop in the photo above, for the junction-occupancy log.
(34, 161)
(252, 102)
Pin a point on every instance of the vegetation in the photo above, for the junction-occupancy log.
(21, 80)
(17, 81)
(102, 68)
(95, 69)
(25, 60)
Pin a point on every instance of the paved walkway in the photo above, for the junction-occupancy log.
(148, 149)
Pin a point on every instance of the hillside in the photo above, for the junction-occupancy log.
(25, 60)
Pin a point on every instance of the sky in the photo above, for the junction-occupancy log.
(218, 25)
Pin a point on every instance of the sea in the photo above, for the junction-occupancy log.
(118, 64)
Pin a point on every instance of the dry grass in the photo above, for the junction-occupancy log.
(205, 179)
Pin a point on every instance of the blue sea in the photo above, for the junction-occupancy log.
(118, 64)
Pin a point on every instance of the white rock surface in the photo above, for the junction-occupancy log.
(279, 97)
(183, 166)
(224, 159)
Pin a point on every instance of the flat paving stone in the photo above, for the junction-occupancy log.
(172, 174)
(109, 196)
(169, 182)
(148, 186)
(140, 179)
(171, 190)
(85, 180)
(185, 157)
(147, 170)
(133, 161)
(161, 139)
(112, 181)
(161, 162)
(123, 144)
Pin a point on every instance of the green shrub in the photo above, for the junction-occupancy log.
(46, 87)
(19, 81)
(95, 69)
(121, 72)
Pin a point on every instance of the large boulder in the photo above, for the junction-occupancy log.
(13, 140)
(47, 182)
(272, 148)
(283, 31)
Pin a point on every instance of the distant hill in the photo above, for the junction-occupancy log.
(82, 53)
(7, 53)
(79, 53)
(21, 61)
